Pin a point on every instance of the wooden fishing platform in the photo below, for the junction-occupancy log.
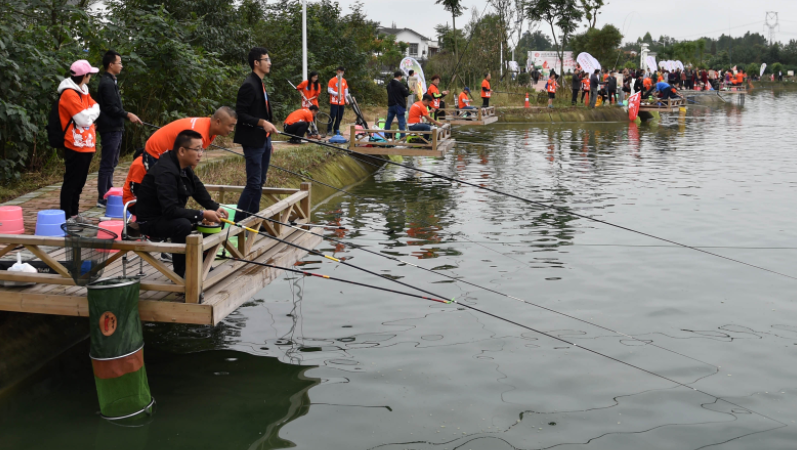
(414, 143)
(669, 105)
(226, 284)
(478, 116)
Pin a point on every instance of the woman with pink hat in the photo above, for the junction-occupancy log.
(77, 111)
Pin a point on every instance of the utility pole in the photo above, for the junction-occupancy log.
(501, 47)
(304, 39)
(772, 23)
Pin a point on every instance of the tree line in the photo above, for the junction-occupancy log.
(182, 58)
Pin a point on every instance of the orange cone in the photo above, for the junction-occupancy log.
(527, 105)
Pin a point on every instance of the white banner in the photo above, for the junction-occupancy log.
(545, 61)
(650, 61)
(588, 63)
(408, 64)
(763, 68)
(680, 65)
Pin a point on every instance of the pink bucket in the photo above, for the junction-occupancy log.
(115, 226)
(11, 220)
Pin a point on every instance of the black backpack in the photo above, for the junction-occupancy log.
(55, 134)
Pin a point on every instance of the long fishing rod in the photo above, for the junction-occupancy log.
(560, 209)
(331, 258)
(484, 288)
(270, 165)
(473, 308)
(328, 277)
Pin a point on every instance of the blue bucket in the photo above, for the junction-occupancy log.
(115, 207)
(49, 221)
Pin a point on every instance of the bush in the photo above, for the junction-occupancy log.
(777, 67)
(524, 79)
(630, 65)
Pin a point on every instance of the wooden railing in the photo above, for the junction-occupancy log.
(669, 104)
(476, 114)
(296, 207)
(420, 139)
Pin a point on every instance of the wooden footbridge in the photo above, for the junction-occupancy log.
(411, 143)
(211, 289)
(669, 105)
(476, 116)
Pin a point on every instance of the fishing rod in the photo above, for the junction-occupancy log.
(328, 277)
(484, 288)
(510, 93)
(495, 316)
(331, 258)
(560, 209)
(270, 165)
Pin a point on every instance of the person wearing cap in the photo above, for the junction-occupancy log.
(338, 90)
(77, 112)
(397, 93)
(463, 101)
(111, 123)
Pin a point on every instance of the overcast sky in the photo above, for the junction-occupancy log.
(684, 19)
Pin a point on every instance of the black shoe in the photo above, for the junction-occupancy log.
(166, 257)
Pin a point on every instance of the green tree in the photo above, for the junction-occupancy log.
(602, 43)
(591, 10)
(562, 14)
(456, 9)
(537, 41)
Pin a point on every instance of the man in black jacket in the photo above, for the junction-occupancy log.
(111, 123)
(254, 130)
(162, 195)
(397, 94)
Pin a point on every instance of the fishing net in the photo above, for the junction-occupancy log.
(87, 249)
(117, 348)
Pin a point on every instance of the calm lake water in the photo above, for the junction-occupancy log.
(315, 364)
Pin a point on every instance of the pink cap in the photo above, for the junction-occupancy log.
(82, 67)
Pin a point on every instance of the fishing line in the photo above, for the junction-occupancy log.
(332, 258)
(560, 209)
(342, 280)
(473, 308)
(462, 280)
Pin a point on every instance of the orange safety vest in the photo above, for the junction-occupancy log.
(551, 86)
(435, 93)
(463, 100)
(333, 98)
(489, 93)
(300, 115)
(417, 110)
(309, 93)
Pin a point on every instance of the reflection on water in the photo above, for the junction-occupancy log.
(337, 366)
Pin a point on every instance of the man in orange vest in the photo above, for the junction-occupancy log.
(551, 86)
(298, 122)
(463, 102)
(437, 96)
(486, 92)
(338, 90)
(418, 111)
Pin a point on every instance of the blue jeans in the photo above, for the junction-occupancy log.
(396, 111)
(336, 114)
(420, 127)
(257, 161)
(111, 145)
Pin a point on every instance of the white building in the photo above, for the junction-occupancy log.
(420, 47)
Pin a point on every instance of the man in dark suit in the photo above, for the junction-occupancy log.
(253, 130)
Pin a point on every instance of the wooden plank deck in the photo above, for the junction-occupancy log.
(669, 105)
(423, 143)
(226, 284)
(483, 116)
